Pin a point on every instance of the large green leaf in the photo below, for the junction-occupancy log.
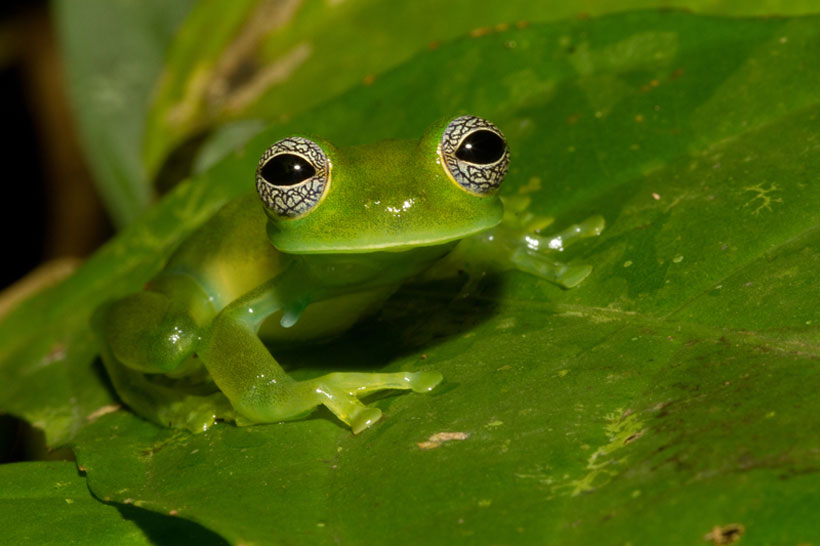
(672, 396)
(49, 503)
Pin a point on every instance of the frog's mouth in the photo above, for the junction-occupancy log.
(370, 243)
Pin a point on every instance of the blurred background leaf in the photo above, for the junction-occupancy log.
(170, 76)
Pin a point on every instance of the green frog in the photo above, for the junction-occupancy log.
(329, 234)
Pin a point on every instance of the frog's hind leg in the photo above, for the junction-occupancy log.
(166, 405)
(192, 407)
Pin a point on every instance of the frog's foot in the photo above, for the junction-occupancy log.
(567, 276)
(363, 417)
(339, 392)
(533, 256)
(196, 413)
(591, 227)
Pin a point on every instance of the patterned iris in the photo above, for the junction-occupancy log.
(475, 154)
(292, 176)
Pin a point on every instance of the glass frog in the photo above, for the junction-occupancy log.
(328, 236)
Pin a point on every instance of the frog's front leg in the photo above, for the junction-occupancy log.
(260, 390)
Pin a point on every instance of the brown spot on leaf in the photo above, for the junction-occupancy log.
(481, 31)
(632, 437)
(56, 353)
(725, 534)
(647, 86)
(439, 438)
(104, 410)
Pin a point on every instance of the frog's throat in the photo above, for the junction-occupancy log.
(341, 248)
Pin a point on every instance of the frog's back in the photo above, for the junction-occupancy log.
(230, 254)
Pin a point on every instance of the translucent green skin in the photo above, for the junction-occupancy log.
(390, 212)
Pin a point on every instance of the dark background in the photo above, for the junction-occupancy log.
(50, 208)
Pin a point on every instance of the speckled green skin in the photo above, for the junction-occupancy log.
(188, 349)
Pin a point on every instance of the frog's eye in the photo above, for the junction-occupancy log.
(292, 176)
(474, 154)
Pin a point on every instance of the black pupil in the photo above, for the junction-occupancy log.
(287, 170)
(481, 147)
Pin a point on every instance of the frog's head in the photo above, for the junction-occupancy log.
(388, 196)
